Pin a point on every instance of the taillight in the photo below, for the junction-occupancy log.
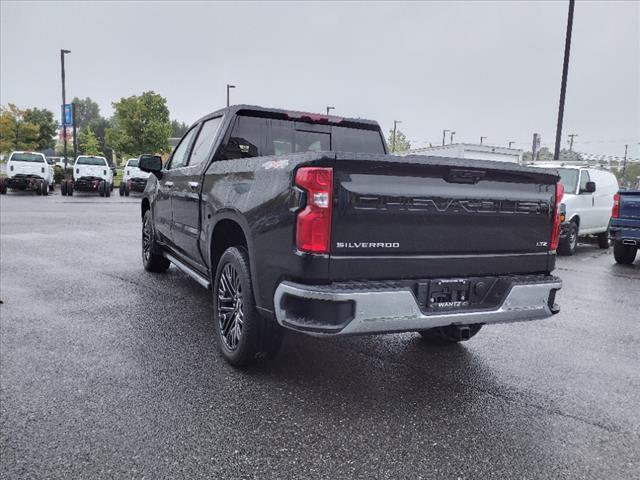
(555, 233)
(615, 211)
(313, 227)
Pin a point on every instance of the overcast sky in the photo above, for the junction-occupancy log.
(479, 68)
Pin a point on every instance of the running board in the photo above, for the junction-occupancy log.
(188, 270)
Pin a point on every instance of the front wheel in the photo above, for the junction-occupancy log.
(152, 259)
(107, 192)
(624, 254)
(45, 187)
(450, 333)
(244, 336)
(121, 189)
(3, 186)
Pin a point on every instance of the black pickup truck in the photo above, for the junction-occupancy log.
(302, 221)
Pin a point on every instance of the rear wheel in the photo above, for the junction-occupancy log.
(450, 333)
(624, 254)
(70, 188)
(603, 240)
(244, 336)
(63, 187)
(152, 258)
(567, 245)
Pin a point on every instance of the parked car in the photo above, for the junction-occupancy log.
(28, 171)
(90, 174)
(133, 179)
(587, 203)
(269, 210)
(624, 227)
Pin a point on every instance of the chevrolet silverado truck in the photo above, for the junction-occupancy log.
(624, 226)
(28, 171)
(304, 222)
(134, 179)
(90, 174)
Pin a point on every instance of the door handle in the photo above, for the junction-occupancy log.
(194, 185)
(168, 184)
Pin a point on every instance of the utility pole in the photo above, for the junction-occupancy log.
(451, 138)
(482, 139)
(511, 143)
(571, 135)
(624, 162)
(329, 109)
(229, 87)
(444, 133)
(395, 126)
(64, 102)
(563, 85)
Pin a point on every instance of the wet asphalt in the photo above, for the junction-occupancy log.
(107, 371)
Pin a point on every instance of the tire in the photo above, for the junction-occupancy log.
(70, 188)
(152, 258)
(449, 334)
(127, 190)
(38, 189)
(567, 245)
(102, 188)
(107, 192)
(45, 188)
(3, 186)
(52, 187)
(121, 189)
(624, 254)
(603, 240)
(243, 335)
(63, 187)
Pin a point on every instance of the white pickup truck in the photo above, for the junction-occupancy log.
(28, 171)
(90, 174)
(134, 179)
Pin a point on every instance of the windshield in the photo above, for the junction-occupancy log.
(91, 161)
(133, 162)
(569, 177)
(26, 157)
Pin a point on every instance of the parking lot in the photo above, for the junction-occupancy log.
(109, 371)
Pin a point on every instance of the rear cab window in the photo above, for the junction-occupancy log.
(100, 161)
(256, 136)
(27, 157)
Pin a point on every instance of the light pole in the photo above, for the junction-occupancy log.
(229, 87)
(563, 85)
(482, 139)
(624, 162)
(451, 137)
(444, 133)
(329, 109)
(571, 141)
(395, 126)
(64, 102)
(511, 143)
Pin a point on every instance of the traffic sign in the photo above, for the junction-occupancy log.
(67, 117)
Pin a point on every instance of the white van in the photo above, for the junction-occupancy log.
(587, 203)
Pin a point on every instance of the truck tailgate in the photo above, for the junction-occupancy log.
(416, 217)
(630, 205)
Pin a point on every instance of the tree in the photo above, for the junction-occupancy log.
(15, 132)
(47, 126)
(545, 155)
(401, 143)
(88, 143)
(178, 129)
(87, 112)
(140, 125)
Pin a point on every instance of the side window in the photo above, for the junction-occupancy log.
(202, 146)
(179, 157)
(247, 138)
(584, 178)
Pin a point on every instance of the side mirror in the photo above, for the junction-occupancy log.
(590, 187)
(151, 164)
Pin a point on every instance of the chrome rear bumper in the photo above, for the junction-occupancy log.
(383, 311)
